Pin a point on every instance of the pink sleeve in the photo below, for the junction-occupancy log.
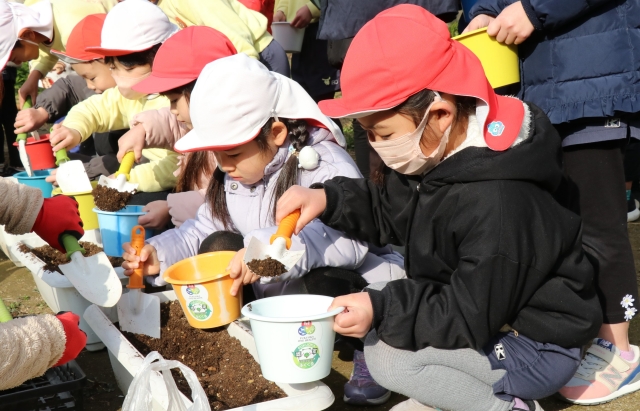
(162, 127)
(183, 206)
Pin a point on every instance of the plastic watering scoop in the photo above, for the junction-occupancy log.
(122, 175)
(139, 313)
(22, 144)
(71, 175)
(93, 277)
(278, 249)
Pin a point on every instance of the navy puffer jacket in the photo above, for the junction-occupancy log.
(584, 58)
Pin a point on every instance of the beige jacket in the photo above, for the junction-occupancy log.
(19, 206)
(29, 346)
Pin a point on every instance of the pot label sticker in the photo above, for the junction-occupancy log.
(307, 351)
(196, 299)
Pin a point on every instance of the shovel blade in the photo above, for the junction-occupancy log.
(94, 278)
(257, 250)
(119, 184)
(24, 157)
(72, 178)
(139, 313)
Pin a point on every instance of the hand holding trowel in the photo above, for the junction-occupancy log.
(274, 259)
(93, 277)
(139, 313)
(121, 183)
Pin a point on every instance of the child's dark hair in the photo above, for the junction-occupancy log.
(139, 58)
(298, 136)
(415, 106)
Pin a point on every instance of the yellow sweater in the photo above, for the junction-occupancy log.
(111, 111)
(66, 14)
(291, 7)
(247, 29)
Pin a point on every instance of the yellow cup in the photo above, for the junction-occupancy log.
(203, 288)
(500, 62)
(85, 205)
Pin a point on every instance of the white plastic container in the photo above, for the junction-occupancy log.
(126, 361)
(58, 292)
(290, 38)
(294, 336)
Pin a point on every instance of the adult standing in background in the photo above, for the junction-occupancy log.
(579, 63)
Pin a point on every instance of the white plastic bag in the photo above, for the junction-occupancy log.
(139, 395)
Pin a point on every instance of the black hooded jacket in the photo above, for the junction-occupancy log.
(486, 245)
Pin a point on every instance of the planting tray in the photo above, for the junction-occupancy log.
(58, 292)
(126, 360)
(60, 388)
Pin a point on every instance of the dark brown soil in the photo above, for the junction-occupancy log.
(110, 199)
(267, 267)
(52, 258)
(228, 373)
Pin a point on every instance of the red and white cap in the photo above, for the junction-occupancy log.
(85, 34)
(132, 26)
(406, 49)
(235, 96)
(15, 17)
(182, 57)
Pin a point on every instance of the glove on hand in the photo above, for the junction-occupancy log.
(76, 338)
(59, 215)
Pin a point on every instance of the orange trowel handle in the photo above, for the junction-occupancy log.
(286, 227)
(137, 242)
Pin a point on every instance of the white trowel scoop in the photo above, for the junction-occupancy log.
(280, 244)
(93, 277)
(22, 144)
(71, 175)
(122, 176)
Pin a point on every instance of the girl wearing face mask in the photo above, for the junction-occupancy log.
(499, 297)
(130, 37)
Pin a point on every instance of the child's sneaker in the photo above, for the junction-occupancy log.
(413, 405)
(603, 375)
(362, 389)
(529, 405)
(633, 213)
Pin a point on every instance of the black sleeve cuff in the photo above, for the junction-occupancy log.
(379, 305)
(533, 18)
(334, 194)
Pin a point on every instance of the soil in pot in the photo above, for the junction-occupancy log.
(110, 199)
(267, 267)
(226, 370)
(52, 258)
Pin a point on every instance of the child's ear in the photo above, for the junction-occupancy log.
(279, 133)
(27, 34)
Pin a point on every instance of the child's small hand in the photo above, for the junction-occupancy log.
(30, 119)
(512, 26)
(51, 178)
(64, 137)
(310, 202)
(279, 16)
(157, 216)
(239, 271)
(303, 18)
(132, 140)
(356, 319)
(148, 257)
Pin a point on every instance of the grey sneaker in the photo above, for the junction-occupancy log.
(361, 389)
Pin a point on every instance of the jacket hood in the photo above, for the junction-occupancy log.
(536, 159)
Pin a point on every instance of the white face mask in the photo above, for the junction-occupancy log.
(125, 83)
(403, 154)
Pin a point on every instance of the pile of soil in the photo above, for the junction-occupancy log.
(110, 199)
(52, 258)
(267, 267)
(226, 370)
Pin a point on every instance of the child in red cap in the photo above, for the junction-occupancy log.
(175, 78)
(499, 299)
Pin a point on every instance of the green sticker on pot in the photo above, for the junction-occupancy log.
(306, 355)
(196, 299)
(307, 341)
